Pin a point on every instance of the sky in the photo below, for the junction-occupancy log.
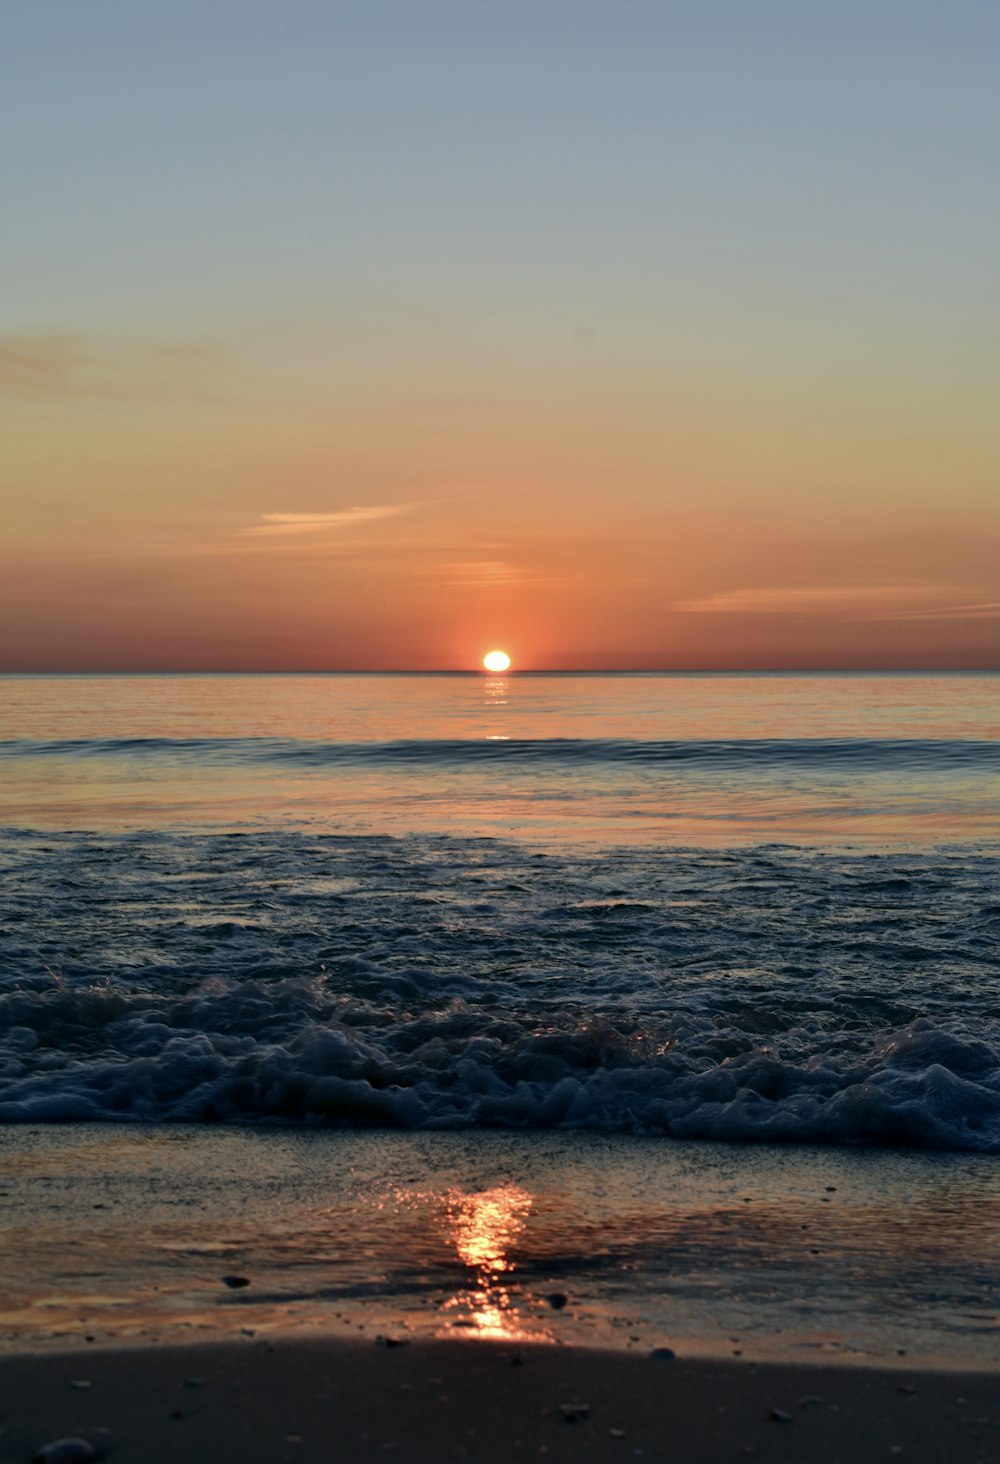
(372, 334)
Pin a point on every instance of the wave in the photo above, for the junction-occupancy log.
(867, 753)
(288, 1052)
(443, 982)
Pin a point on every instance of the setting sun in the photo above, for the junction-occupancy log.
(496, 661)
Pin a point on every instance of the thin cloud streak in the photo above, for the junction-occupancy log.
(482, 572)
(275, 525)
(487, 574)
(987, 610)
(67, 364)
(817, 600)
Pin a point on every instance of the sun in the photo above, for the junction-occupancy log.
(496, 661)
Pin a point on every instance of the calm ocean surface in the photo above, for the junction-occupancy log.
(736, 907)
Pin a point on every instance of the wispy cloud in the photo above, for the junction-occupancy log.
(475, 574)
(985, 610)
(823, 600)
(78, 363)
(309, 525)
(481, 572)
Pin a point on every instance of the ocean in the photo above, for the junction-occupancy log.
(629, 1010)
(712, 907)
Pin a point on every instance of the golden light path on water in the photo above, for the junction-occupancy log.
(183, 752)
(484, 1228)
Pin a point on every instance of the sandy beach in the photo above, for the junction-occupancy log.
(265, 1296)
(285, 1401)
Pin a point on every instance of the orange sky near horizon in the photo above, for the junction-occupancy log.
(333, 358)
(266, 536)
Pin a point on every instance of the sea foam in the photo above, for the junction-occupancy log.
(433, 982)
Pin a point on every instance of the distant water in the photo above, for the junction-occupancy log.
(750, 755)
(619, 759)
(707, 907)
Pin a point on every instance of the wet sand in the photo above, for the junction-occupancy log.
(190, 1294)
(756, 1253)
(256, 1402)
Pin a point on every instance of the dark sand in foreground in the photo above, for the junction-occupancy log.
(256, 1402)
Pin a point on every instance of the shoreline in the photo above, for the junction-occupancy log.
(268, 1402)
(170, 1235)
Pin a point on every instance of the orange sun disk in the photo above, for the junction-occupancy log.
(496, 661)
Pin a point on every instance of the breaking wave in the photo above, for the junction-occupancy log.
(437, 982)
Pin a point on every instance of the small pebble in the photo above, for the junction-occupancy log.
(557, 1300)
(383, 1341)
(663, 1354)
(573, 1412)
(235, 1282)
(65, 1451)
(81, 1383)
(778, 1415)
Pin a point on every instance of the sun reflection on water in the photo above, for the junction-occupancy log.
(496, 692)
(484, 1228)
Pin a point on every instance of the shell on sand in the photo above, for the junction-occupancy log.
(65, 1451)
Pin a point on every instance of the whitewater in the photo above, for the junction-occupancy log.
(237, 910)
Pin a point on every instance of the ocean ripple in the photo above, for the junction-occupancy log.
(428, 982)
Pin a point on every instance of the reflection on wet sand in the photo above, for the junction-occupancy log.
(484, 1228)
(128, 1233)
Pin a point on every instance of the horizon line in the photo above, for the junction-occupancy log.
(519, 671)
